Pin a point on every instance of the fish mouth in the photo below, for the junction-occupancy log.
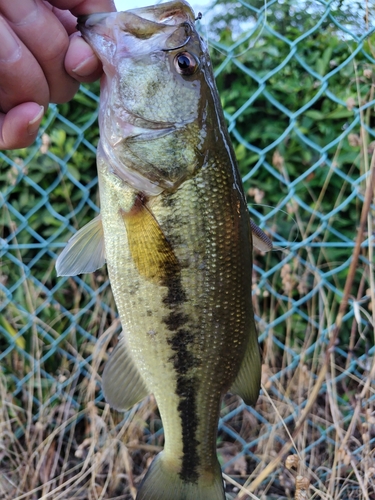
(91, 20)
(172, 20)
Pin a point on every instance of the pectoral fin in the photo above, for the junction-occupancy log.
(84, 252)
(247, 383)
(152, 253)
(123, 385)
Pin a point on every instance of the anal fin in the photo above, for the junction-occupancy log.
(123, 385)
(247, 382)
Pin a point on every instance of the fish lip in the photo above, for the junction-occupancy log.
(90, 20)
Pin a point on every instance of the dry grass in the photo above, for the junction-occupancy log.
(67, 453)
(95, 454)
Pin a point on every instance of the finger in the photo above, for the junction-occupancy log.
(19, 127)
(84, 7)
(65, 17)
(81, 62)
(21, 77)
(30, 17)
(68, 20)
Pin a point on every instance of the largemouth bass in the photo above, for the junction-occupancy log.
(175, 233)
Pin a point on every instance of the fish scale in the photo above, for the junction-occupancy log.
(222, 257)
(177, 239)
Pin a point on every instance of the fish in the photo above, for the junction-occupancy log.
(175, 233)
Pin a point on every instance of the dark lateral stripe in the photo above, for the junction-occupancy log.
(176, 294)
(181, 339)
(186, 389)
(182, 361)
(187, 392)
(175, 320)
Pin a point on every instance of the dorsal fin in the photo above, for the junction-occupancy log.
(260, 240)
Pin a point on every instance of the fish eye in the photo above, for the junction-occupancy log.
(185, 63)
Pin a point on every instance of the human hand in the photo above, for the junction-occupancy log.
(42, 59)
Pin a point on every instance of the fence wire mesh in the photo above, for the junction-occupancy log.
(296, 82)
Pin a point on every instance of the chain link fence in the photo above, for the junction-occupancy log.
(296, 82)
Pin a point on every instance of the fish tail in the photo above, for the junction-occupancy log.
(164, 483)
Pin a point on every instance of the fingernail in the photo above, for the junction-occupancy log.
(87, 67)
(10, 49)
(33, 125)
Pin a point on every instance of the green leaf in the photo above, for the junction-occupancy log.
(315, 115)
